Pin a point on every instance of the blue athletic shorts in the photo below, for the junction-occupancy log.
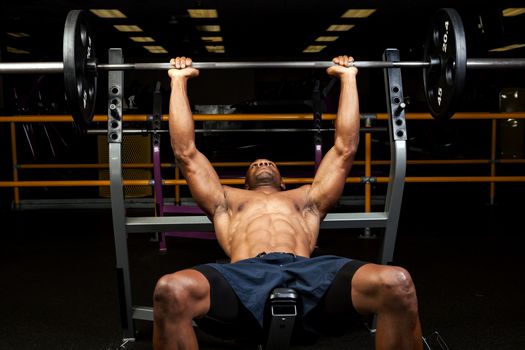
(253, 279)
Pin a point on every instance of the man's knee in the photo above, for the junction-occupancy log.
(182, 293)
(397, 289)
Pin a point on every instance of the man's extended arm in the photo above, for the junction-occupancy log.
(330, 178)
(202, 179)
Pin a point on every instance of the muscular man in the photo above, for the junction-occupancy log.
(270, 233)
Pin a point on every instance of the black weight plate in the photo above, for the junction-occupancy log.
(80, 81)
(444, 82)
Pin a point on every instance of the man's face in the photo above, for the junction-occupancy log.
(263, 172)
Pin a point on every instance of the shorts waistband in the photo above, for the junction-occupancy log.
(261, 254)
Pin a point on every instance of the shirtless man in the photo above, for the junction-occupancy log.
(269, 234)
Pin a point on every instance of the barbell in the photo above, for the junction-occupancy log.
(444, 65)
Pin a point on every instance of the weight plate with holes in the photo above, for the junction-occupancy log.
(446, 45)
(80, 76)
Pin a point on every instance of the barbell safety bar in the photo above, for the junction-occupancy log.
(58, 67)
(259, 130)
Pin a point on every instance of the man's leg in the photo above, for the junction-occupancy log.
(389, 292)
(178, 299)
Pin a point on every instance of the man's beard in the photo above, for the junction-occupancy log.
(265, 178)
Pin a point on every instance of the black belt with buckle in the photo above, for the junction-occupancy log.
(264, 253)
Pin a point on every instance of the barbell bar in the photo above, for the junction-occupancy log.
(58, 67)
(475, 63)
(444, 65)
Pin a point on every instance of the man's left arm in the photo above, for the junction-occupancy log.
(329, 181)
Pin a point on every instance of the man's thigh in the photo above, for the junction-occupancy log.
(335, 312)
(227, 315)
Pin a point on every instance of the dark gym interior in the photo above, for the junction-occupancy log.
(461, 240)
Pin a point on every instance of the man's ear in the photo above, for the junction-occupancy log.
(283, 186)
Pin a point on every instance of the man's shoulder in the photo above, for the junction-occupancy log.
(301, 189)
(299, 193)
(235, 193)
(231, 189)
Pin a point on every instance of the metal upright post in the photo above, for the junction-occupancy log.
(398, 153)
(14, 159)
(318, 117)
(493, 155)
(116, 86)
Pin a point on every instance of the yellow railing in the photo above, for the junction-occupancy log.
(16, 184)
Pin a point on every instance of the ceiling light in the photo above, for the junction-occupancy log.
(508, 48)
(362, 13)
(127, 28)
(107, 13)
(327, 38)
(142, 39)
(215, 48)
(155, 49)
(200, 13)
(314, 48)
(340, 27)
(209, 28)
(513, 11)
(16, 51)
(18, 34)
(212, 39)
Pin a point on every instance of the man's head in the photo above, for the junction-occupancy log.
(263, 173)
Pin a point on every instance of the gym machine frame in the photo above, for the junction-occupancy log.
(123, 225)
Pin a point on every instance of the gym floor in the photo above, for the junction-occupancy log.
(59, 291)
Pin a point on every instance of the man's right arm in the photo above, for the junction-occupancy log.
(202, 178)
(329, 181)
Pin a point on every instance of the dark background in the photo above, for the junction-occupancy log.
(58, 285)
